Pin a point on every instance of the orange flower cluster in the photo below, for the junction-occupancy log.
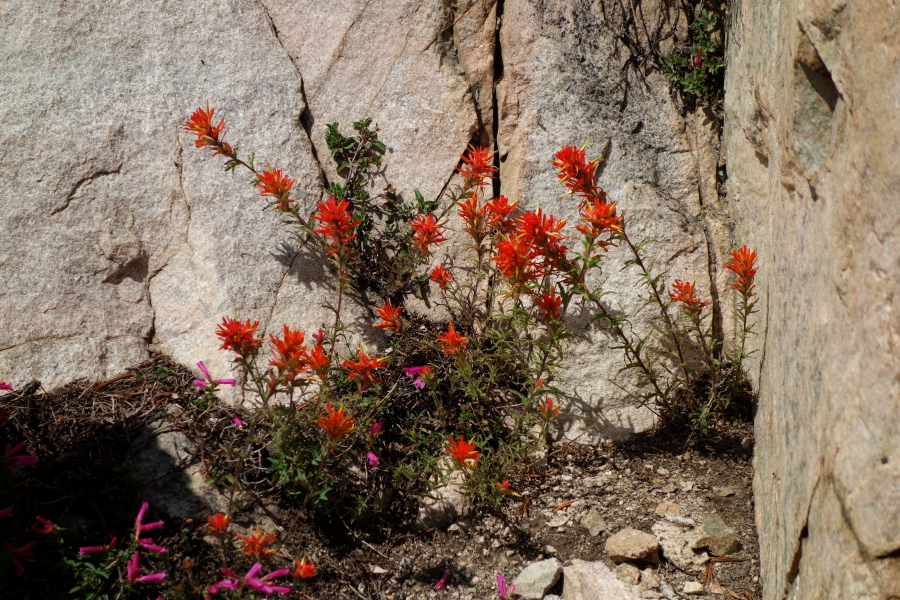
(504, 489)
(218, 524)
(304, 569)
(743, 263)
(550, 305)
(685, 293)
(255, 544)
(532, 250)
(500, 211)
(477, 166)
(276, 185)
(337, 224)
(427, 233)
(579, 175)
(463, 452)
(237, 337)
(336, 422)
(549, 409)
(291, 357)
(441, 276)
(201, 125)
(390, 317)
(361, 369)
(454, 344)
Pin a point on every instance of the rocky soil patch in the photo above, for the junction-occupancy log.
(656, 518)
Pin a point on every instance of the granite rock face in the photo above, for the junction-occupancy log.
(118, 237)
(813, 152)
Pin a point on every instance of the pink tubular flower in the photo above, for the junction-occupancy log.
(209, 380)
(22, 552)
(5, 386)
(376, 429)
(250, 580)
(25, 460)
(46, 527)
(505, 592)
(91, 549)
(237, 422)
(6, 512)
(373, 460)
(149, 545)
(442, 582)
(133, 572)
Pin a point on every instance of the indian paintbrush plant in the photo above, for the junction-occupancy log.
(473, 393)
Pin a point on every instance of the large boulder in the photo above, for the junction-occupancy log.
(813, 150)
(118, 237)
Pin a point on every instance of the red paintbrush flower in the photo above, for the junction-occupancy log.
(550, 305)
(599, 218)
(577, 174)
(743, 263)
(255, 543)
(543, 231)
(336, 224)
(390, 317)
(276, 185)
(427, 233)
(477, 166)
(548, 408)
(463, 452)
(515, 256)
(201, 125)
(318, 361)
(304, 569)
(474, 215)
(499, 210)
(504, 489)
(290, 355)
(454, 344)
(218, 523)
(237, 336)
(441, 276)
(685, 293)
(361, 369)
(336, 422)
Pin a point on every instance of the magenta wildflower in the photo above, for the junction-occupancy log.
(89, 549)
(149, 545)
(237, 422)
(5, 386)
(6, 512)
(505, 593)
(22, 552)
(209, 380)
(138, 522)
(133, 572)
(376, 429)
(250, 580)
(46, 526)
(25, 460)
(424, 373)
(442, 582)
(373, 460)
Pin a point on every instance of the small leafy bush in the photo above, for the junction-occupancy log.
(694, 65)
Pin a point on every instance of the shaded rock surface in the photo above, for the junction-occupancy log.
(813, 171)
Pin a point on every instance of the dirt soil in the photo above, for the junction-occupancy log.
(85, 435)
